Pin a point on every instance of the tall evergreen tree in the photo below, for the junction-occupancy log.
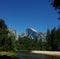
(48, 40)
(3, 35)
(53, 39)
(7, 42)
(58, 38)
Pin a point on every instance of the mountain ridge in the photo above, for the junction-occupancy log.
(32, 33)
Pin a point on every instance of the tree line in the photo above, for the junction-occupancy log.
(53, 39)
(9, 43)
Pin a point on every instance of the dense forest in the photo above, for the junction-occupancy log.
(9, 43)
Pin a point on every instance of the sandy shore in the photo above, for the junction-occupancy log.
(50, 53)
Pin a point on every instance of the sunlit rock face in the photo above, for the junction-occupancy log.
(13, 33)
(32, 33)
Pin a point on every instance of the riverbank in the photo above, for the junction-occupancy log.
(11, 55)
(50, 53)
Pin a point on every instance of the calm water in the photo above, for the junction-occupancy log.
(22, 55)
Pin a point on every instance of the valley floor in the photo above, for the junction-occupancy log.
(50, 53)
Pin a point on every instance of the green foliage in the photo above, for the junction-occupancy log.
(8, 55)
(25, 43)
(3, 35)
(53, 39)
(7, 43)
(28, 44)
(48, 40)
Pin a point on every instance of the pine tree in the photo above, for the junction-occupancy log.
(3, 35)
(48, 40)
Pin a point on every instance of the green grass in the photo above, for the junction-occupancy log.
(8, 53)
(11, 54)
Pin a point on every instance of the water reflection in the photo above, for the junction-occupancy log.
(34, 56)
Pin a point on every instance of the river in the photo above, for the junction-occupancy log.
(23, 55)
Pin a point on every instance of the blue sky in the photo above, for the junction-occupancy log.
(22, 14)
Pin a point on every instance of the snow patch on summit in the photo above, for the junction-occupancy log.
(33, 30)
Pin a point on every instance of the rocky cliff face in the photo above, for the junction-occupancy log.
(32, 33)
(13, 33)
